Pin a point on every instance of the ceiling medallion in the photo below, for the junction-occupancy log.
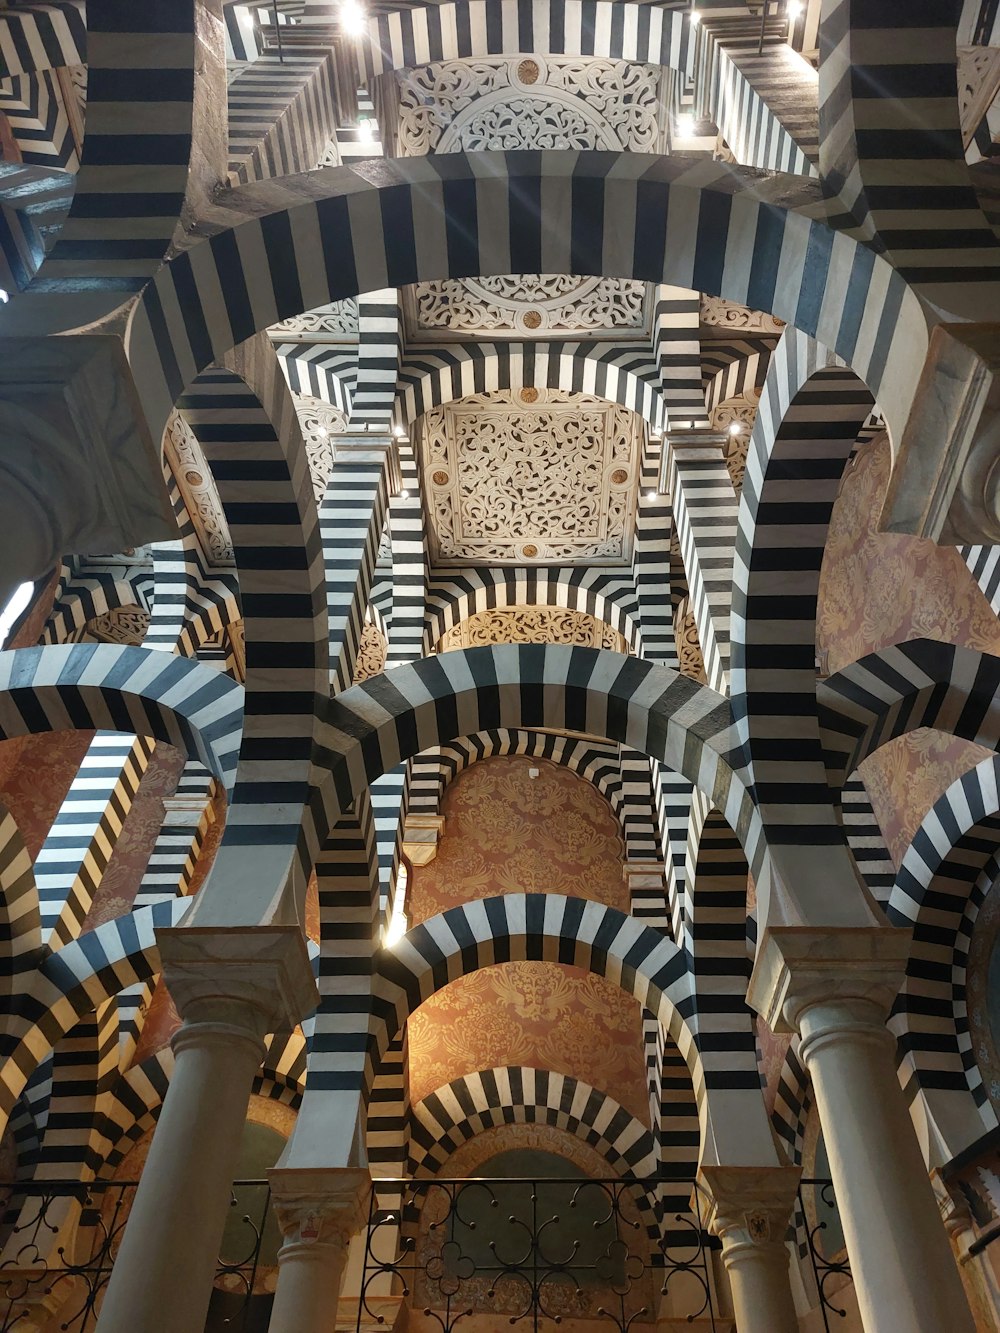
(619, 477)
(532, 319)
(530, 551)
(529, 395)
(440, 478)
(528, 72)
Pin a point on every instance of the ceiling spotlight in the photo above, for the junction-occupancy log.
(695, 17)
(736, 428)
(684, 127)
(366, 130)
(404, 495)
(650, 495)
(4, 297)
(793, 9)
(352, 18)
(400, 433)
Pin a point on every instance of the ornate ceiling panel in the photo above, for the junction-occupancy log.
(728, 315)
(327, 323)
(538, 477)
(521, 103)
(532, 624)
(371, 654)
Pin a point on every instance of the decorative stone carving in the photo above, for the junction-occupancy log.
(522, 103)
(743, 409)
(331, 154)
(550, 481)
(371, 654)
(196, 484)
(319, 422)
(530, 303)
(124, 624)
(729, 315)
(978, 86)
(532, 624)
(337, 322)
(689, 654)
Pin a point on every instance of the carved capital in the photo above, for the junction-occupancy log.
(320, 1205)
(945, 480)
(750, 1205)
(857, 967)
(259, 978)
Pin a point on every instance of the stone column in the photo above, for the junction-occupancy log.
(319, 1209)
(750, 1212)
(231, 988)
(835, 987)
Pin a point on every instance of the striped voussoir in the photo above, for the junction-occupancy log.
(320, 370)
(984, 563)
(375, 726)
(142, 104)
(809, 417)
(946, 872)
(36, 37)
(244, 418)
(712, 227)
(891, 146)
(605, 594)
(282, 114)
(623, 374)
(352, 517)
(458, 1111)
(478, 28)
(922, 683)
(763, 100)
(37, 119)
(599, 764)
(74, 981)
(104, 687)
(380, 351)
(735, 367)
(20, 919)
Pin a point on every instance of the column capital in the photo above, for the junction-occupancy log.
(421, 835)
(798, 967)
(320, 1205)
(258, 976)
(750, 1204)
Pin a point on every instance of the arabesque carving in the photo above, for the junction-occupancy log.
(319, 423)
(743, 410)
(337, 322)
(729, 315)
(371, 654)
(554, 480)
(196, 484)
(532, 624)
(520, 103)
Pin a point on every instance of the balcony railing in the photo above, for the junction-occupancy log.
(630, 1253)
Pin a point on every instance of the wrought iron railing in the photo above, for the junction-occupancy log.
(825, 1243)
(59, 1240)
(628, 1252)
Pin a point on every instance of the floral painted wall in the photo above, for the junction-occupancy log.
(507, 832)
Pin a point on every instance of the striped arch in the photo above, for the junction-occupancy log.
(921, 683)
(138, 130)
(480, 28)
(599, 764)
(708, 227)
(607, 595)
(103, 687)
(87, 594)
(73, 982)
(627, 375)
(949, 867)
(876, 110)
(20, 921)
(244, 417)
(457, 1111)
(373, 727)
(811, 412)
(553, 928)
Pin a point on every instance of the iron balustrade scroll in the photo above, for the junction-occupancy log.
(628, 1252)
(821, 1223)
(69, 1279)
